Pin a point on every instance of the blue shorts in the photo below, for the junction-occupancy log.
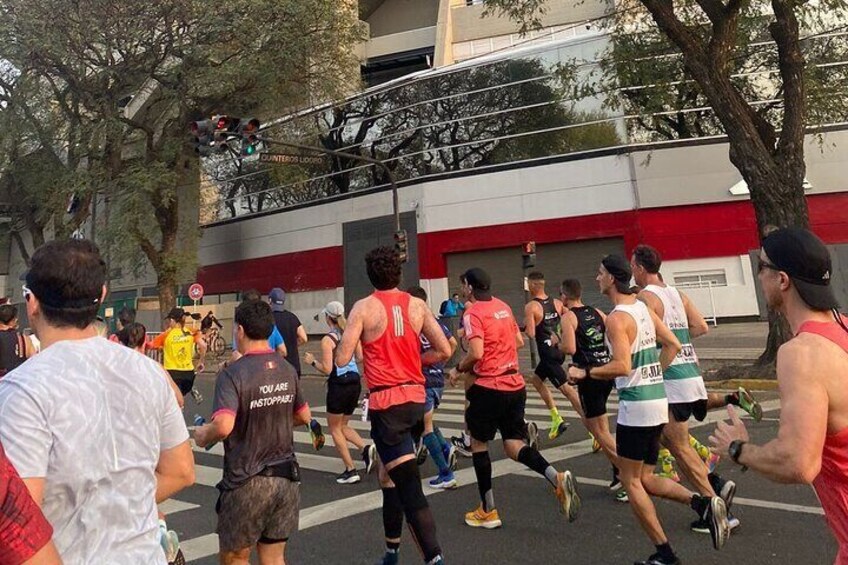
(434, 398)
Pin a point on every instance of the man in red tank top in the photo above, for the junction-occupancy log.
(497, 398)
(389, 323)
(812, 368)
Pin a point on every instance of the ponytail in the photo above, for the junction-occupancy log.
(341, 322)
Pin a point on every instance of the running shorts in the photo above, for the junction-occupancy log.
(682, 411)
(638, 443)
(594, 394)
(434, 398)
(343, 398)
(392, 429)
(490, 411)
(262, 510)
(550, 369)
(184, 380)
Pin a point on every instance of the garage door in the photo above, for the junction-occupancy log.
(558, 261)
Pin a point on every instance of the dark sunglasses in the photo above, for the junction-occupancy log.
(762, 264)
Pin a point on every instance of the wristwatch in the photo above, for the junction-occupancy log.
(734, 450)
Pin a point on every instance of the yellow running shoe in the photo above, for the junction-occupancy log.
(596, 445)
(479, 518)
(566, 493)
(558, 427)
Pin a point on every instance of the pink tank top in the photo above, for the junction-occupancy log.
(832, 483)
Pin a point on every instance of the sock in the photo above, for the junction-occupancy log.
(666, 462)
(392, 516)
(732, 398)
(435, 449)
(534, 460)
(665, 551)
(483, 470)
(703, 450)
(466, 438)
(554, 413)
(442, 441)
(699, 504)
(418, 515)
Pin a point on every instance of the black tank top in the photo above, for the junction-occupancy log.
(549, 331)
(12, 350)
(591, 349)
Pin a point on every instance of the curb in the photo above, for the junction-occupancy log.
(750, 384)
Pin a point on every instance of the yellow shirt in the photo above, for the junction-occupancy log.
(178, 347)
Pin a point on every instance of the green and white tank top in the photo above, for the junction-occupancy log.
(641, 394)
(683, 381)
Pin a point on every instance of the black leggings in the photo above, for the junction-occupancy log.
(184, 380)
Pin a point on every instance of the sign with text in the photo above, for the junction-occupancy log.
(290, 159)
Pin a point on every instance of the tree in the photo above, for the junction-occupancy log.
(708, 41)
(133, 75)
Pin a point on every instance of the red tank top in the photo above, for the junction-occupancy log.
(393, 360)
(832, 483)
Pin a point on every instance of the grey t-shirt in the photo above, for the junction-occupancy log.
(263, 392)
(91, 417)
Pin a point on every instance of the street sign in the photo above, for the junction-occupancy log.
(195, 292)
(290, 159)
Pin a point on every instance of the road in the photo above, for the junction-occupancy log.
(342, 523)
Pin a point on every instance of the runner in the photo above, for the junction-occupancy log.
(90, 426)
(343, 390)
(591, 351)
(275, 341)
(794, 272)
(443, 454)
(288, 326)
(687, 395)
(632, 334)
(258, 402)
(178, 343)
(496, 400)
(15, 347)
(543, 322)
(24, 532)
(389, 323)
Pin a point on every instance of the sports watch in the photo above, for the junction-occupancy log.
(735, 452)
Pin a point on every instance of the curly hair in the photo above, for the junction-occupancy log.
(384, 268)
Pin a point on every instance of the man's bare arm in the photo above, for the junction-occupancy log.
(697, 324)
(175, 471)
(620, 335)
(302, 338)
(652, 301)
(665, 337)
(351, 336)
(440, 348)
(531, 318)
(569, 337)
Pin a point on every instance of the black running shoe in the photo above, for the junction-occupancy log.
(459, 443)
(716, 516)
(349, 477)
(615, 483)
(369, 457)
(421, 452)
(657, 559)
(726, 489)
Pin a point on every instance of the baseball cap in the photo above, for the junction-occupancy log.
(799, 253)
(333, 309)
(621, 272)
(277, 296)
(478, 279)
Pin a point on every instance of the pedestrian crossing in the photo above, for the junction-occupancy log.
(449, 417)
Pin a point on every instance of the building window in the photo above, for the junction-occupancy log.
(701, 279)
(474, 2)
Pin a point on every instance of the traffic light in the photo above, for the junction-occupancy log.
(402, 245)
(248, 130)
(202, 132)
(528, 255)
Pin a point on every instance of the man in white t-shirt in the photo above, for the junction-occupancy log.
(91, 426)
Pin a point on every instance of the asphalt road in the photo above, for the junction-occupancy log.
(341, 524)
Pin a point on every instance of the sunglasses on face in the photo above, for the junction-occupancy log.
(763, 264)
(26, 291)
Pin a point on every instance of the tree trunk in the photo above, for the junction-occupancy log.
(167, 294)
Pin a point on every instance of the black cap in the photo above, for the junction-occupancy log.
(799, 253)
(177, 314)
(478, 279)
(621, 272)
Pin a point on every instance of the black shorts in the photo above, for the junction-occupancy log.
(638, 443)
(551, 369)
(262, 510)
(343, 398)
(184, 380)
(490, 411)
(392, 429)
(594, 394)
(682, 411)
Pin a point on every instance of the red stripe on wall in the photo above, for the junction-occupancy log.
(315, 269)
(679, 232)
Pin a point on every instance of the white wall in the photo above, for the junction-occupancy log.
(738, 298)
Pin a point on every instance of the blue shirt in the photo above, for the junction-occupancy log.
(350, 369)
(274, 341)
(434, 375)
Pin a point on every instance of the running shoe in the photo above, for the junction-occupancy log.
(533, 435)
(479, 518)
(657, 559)
(317, 434)
(712, 462)
(421, 451)
(369, 457)
(390, 558)
(726, 489)
(198, 398)
(558, 427)
(749, 404)
(566, 493)
(716, 516)
(596, 445)
(349, 477)
(443, 482)
(732, 521)
(450, 456)
(458, 442)
(615, 483)
(170, 543)
(179, 559)
(621, 496)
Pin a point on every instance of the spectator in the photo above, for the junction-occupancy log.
(294, 335)
(15, 347)
(452, 308)
(90, 425)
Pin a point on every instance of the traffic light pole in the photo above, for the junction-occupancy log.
(353, 157)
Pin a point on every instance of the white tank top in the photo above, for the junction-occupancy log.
(683, 381)
(641, 394)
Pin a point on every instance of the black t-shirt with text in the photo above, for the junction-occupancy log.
(263, 392)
